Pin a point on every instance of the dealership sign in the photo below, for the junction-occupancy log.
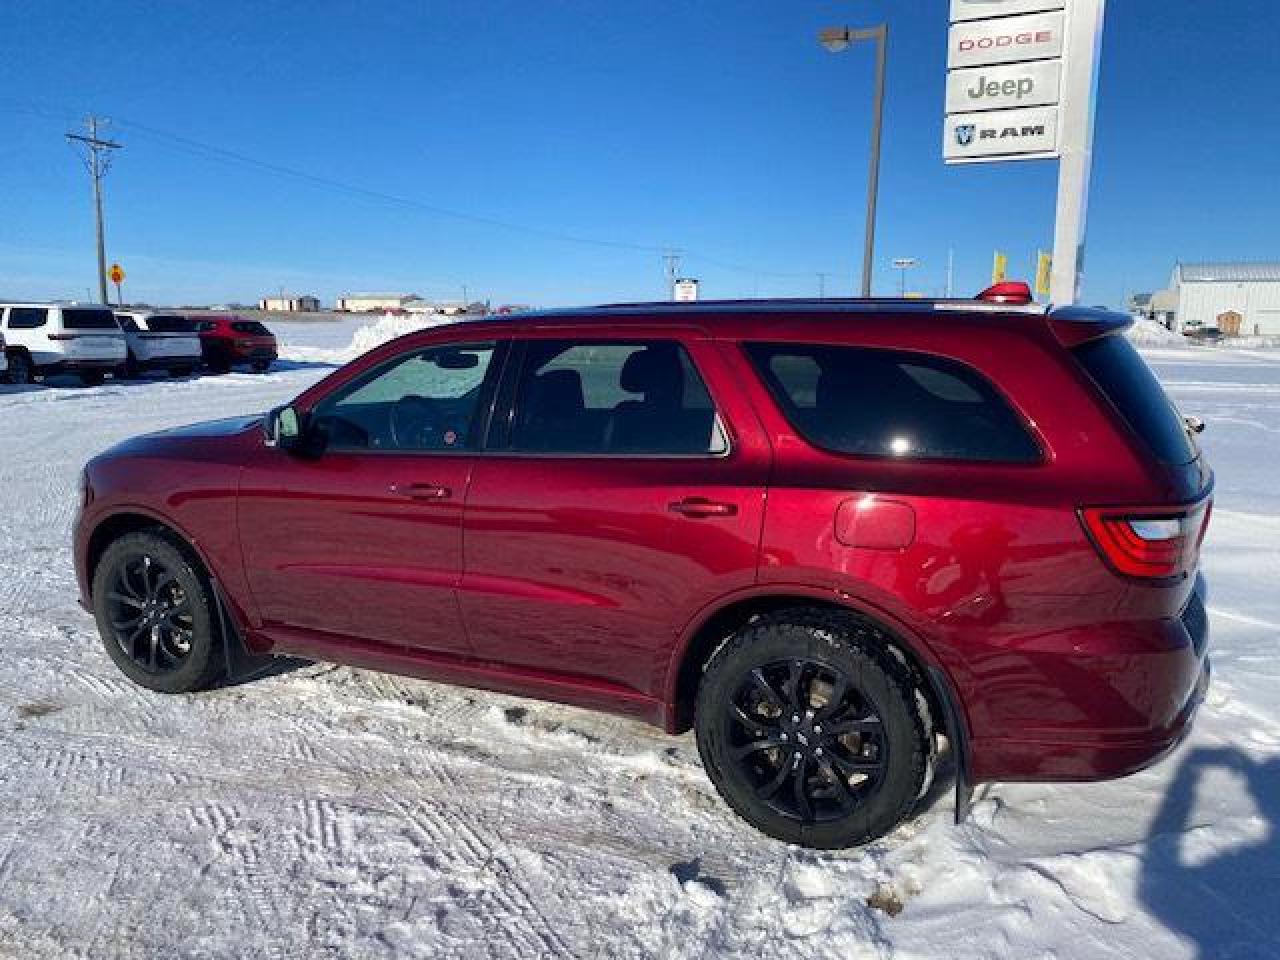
(1002, 133)
(1004, 79)
(996, 88)
(1005, 40)
(984, 9)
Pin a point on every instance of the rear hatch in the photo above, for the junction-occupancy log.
(1158, 541)
(171, 335)
(252, 337)
(91, 333)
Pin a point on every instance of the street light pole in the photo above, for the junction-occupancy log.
(836, 39)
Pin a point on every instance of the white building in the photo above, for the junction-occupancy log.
(369, 302)
(1206, 292)
(290, 303)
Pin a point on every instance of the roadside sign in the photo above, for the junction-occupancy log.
(977, 43)
(999, 267)
(982, 9)
(903, 263)
(1034, 84)
(1005, 134)
(116, 274)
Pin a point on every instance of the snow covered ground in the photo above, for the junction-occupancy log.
(330, 812)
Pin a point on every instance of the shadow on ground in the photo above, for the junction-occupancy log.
(1222, 900)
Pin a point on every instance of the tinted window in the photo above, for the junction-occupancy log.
(127, 322)
(629, 398)
(27, 318)
(250, 326)
(170, 323)
(1136, 393)
(80, 318)
(427, 400)
(892, 404)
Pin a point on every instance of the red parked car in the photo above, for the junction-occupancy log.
(229, 341)
(829, 535)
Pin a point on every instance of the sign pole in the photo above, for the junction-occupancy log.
(1079, 96)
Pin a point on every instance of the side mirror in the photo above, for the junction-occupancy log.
(282, 428)
(1194, 424)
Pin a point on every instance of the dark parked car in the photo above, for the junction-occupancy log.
(229, 341)
(828, 535)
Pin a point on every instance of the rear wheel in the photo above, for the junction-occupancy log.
(130, 370)
(20, 370)
(92, 378)
(180, 371)
(156, 615)
(261, 366)
(811, 731)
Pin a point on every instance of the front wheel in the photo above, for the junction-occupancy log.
(92, 378)
(261, 366)
(811, 731)
(156, 615)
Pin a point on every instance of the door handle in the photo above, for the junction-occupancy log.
(701, 507)
(421, 491)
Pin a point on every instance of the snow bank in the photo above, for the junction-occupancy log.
(1151, 334)
(364, 338)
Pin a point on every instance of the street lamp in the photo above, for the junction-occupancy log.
(836, 40)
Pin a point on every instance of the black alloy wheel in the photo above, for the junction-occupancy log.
(808, 740)
(156, 613)
(150, 615)
(812, 729)
(20, 371)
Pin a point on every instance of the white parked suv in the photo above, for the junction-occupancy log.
(45, 338)
(159, 341)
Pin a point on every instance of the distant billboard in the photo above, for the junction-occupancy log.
(685, 291)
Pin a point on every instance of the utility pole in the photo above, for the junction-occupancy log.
(672, 260)
(97, 159)
(951, 273)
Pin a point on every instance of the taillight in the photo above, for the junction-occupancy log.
(1149, 543)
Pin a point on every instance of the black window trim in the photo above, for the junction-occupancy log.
(484, 404)
(783, 402)
(496, 442)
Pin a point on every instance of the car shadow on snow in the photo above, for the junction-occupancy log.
(1220, 895)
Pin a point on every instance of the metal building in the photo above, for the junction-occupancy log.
(1225, 294)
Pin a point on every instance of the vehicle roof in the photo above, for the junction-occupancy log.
(61, 304)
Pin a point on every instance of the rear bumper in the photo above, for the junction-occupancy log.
(1128, 709)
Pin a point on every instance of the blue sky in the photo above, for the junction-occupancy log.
(717, 127)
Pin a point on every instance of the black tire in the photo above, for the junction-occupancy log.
(92, 378)
(130, 370)
(156, 614)
(180, 371)
(765, 746)
(261, 366)
(20, 370)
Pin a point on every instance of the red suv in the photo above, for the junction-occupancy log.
(828, 535)
(227, 341)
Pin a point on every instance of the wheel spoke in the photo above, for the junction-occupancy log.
(839, 690)
(859, 765)
(124, 626)
(756, 746)
(134, 602)
(840, 786)
(127, 584)
(768, 791)
(864, 726)
(151, 651)
(800, 767)
(752, 721)
(762, 683)
(795, 677)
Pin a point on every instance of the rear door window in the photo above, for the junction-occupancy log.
(170, 323)
(27, 318)
(251, 327)
(1126, 380)
(889, 403)
(638, 398)
(81, 318)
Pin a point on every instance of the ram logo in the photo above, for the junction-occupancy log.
(964, 134)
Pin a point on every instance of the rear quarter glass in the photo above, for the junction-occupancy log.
(1133, 390)
(77, 318)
